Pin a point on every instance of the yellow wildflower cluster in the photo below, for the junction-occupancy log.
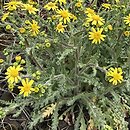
(61, 17)
(13, 77)
(96, 21)
(29, 7)
(62, 14)
(13, 5)
(33, 28)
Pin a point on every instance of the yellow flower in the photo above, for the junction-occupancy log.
(34, 28)
(50, 6)
(106, 5)
(127, 33)
(79, 4)
(60, 27)
(27, 22)
(61, 1)
(89, 11)
(11, 86)
(96, 36)
(115, 75)
(4, 17)
(18, 58)
(109, 27)
(13, 73)
(8, 27)
(22, 30)
(64, 15)
(12, 5)
(22, 61)
(86, 24)
(48, 44)
(38, 72)
(30, 9)
(1, 61)
(127, 20)
(95, 20)
(26, 89)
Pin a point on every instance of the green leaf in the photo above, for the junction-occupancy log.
(83, 125)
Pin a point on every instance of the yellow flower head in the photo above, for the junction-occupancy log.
(30, 8)
(60, 27)
(48, 44)
(22, 30)
(106, 5)
(95, 20)
(64, 15)
(89, 11)
(50, 6)
(34, 28)
(27, 22)
(96, 36)
(22, 61)
(127, 33)
(79, 4)
(1, 61)
(12, 5)
(127, 20)
(8, 27)
(61, 1)
(11, 86)
(115, 75)
(13, 74)
(26, 89)
(18, 58)
(5, 16)
(110, 27)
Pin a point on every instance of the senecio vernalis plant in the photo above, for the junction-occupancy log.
(67, 56)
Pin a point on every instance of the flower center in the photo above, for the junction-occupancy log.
(95, 17)
(14, 73)
(34, 27)
(64, 14)
(116, 76)
(30, 9)
(60, 26)
(97, 35)
(90, 11)
(27, 88)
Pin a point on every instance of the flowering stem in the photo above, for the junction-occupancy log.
(33, 57)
